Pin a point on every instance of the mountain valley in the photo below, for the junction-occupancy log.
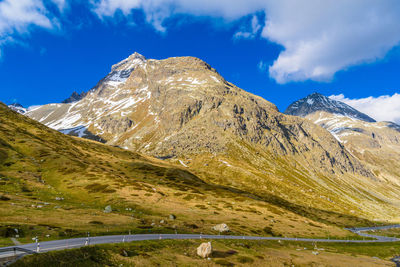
(167, 146)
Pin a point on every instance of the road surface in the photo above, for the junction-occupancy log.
(80, 242)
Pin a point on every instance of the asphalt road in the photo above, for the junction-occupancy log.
(80, 242)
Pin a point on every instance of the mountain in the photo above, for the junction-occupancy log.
(54, 185)
(376, 144)
(317, 102)
(74, 97)
(18, 108)
(181, 110)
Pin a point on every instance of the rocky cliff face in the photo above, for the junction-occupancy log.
(182, 109)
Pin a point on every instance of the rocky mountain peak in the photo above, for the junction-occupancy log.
(181, 106)
(75, 96)
(318, 102)
(121, 71)
(18, 108)
(129, 62)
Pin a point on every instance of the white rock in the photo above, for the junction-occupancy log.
(204, 250)
(221, 228)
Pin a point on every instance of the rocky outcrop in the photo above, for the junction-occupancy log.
(107, 209)
(115, 125)
(204, 250)
(221, 228)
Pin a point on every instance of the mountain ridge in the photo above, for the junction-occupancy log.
(318, 102)
(197, 104)
(181, 110)
(377, 144)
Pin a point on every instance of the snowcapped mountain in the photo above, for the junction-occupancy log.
(18, 108)
(375, 143)
(317, 102)
(180, 109)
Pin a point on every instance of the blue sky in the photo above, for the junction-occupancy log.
(66, 46)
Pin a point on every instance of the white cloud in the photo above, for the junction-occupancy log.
(323, 37)
(157, 11)
(61, 4)
(17, 17)
(382, 108)
(319, 37)
(249, 31)
(262, 66)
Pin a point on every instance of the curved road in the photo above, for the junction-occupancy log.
(80, 242)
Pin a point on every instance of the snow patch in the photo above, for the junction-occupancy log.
(183, 164)
(78, 131)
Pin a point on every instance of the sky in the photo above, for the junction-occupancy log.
(279, 50)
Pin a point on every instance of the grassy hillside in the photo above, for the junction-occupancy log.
(56, 186)
(226, 253)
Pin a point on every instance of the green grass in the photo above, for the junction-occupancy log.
(39, 166)
(225, 253)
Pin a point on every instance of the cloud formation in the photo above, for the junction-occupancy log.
(318, 38)
(321, 38)
(262, 66)
(249, 31)
(382, 108)
(18, 16)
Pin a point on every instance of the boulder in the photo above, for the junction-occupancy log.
(108, 209)
(204, 250)
(172, 217)
(221, 228)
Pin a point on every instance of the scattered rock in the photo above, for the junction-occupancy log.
(59, 198)
(162, 221)
(172, 217)
(221, 228)
(107, 209)
(204, 250)
(124, 253)
(315, 252)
